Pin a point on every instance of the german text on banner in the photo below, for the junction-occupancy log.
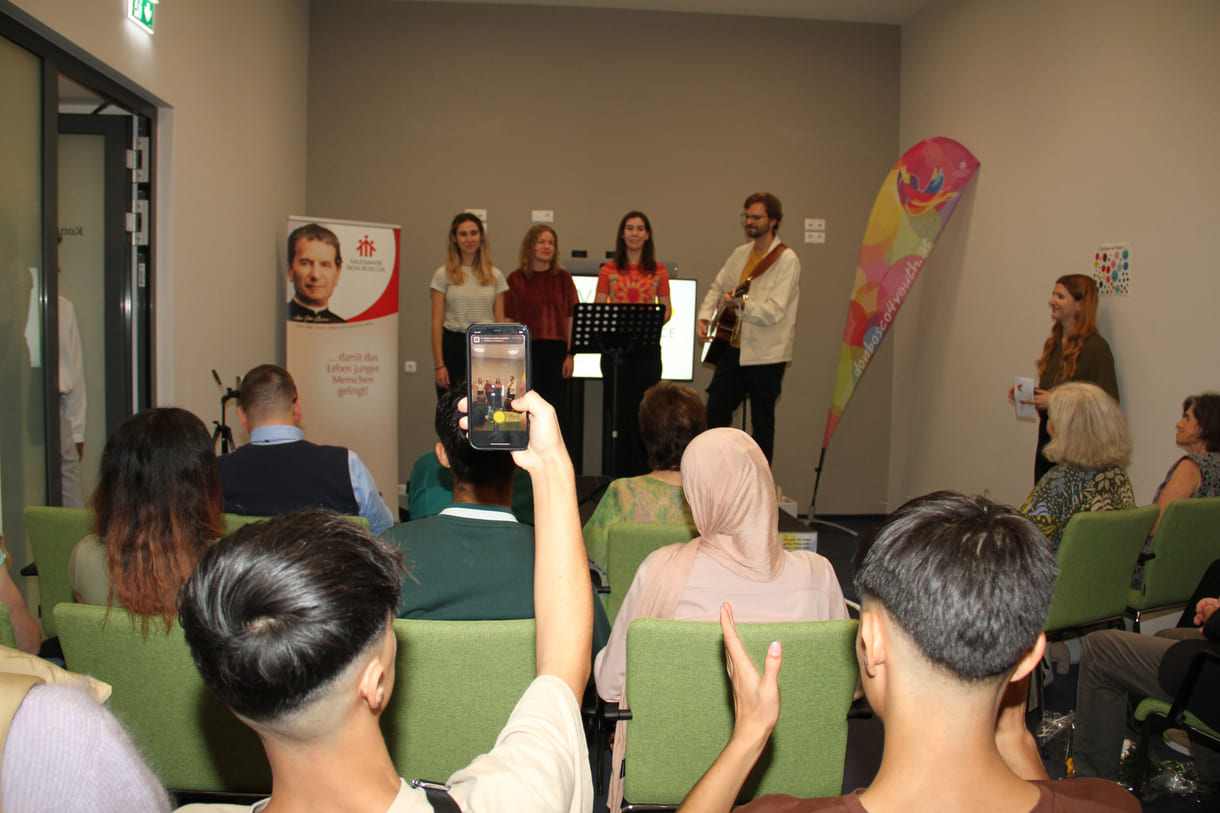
(912, 208)
(342, 338)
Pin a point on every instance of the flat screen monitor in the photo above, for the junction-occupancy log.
(677, 337)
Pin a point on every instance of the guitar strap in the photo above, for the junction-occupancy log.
(765, 263)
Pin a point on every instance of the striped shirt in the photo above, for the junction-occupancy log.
(470, 302)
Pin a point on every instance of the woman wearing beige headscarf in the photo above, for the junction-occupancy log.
(737, 558)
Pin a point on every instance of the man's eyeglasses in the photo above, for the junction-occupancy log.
(752, 218)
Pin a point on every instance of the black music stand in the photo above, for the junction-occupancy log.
(614, 328)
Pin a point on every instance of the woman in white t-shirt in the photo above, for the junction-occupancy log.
(466, 290)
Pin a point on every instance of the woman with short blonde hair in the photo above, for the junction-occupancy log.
(1090, 445)
(1087, 428)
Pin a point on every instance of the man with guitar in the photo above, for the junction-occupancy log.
(749, 315)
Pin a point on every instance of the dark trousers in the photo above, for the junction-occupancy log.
(547, 367)
(732, 383)
(1041, 464)
(639, 370)
(453, 353)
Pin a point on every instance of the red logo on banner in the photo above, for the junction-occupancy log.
(365, 247)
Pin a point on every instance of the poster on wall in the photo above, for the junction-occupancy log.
(341, 290)
(1112, 269)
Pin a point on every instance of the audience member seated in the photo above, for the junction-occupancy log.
(279, 471)
(157, 505)
(954, 592)
(289, 624)
(1117, 665)
(27, 630)
(670, 417)
(737, 556)
(473, 561)
(1090, 445)
(430, 489)
(63, 751)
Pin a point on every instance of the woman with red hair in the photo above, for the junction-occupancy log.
(157, 505)
(1075, 351)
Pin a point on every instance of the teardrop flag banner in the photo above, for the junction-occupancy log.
(913, 206)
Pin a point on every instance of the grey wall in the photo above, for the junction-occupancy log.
(418, 110)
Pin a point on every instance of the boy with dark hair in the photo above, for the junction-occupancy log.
(289, 623)
(954, 593)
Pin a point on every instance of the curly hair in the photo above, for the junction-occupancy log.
(525, 259)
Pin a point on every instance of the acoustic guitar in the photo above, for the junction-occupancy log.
(725, 325)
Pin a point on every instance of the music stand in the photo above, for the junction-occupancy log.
(614, 328)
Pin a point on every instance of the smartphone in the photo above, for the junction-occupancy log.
(497, 371)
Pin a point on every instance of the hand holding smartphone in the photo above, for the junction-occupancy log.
(497, 371)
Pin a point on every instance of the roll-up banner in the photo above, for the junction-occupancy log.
(342, 337)
(912, 208)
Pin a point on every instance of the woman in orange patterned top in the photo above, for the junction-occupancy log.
(633, 276)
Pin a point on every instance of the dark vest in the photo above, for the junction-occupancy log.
(264, 481)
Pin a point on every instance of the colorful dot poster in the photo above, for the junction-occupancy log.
(1112, 268)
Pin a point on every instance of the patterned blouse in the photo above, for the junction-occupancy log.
(1067, 490)
(1209, 469)
(635, 499)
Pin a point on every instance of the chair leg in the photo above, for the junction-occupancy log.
(1141, 752)
(1135, 622)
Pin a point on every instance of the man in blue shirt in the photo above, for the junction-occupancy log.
(279, 471)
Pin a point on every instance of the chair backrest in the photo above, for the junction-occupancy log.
(52, 533)
(190, 739)
(1186, 542)
(235, 521)
(628, 544)
(456, 684)
(1096, 559)
(8, 636)
(682, 707)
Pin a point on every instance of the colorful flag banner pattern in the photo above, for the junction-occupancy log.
(912, 208)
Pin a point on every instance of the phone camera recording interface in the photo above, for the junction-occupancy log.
(498, 370)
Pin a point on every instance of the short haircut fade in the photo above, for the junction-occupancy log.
(969, 581)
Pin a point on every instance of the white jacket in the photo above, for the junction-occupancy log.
(768, 329)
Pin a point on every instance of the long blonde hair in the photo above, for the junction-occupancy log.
(482, 258)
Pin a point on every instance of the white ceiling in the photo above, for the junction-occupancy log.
(891, 12)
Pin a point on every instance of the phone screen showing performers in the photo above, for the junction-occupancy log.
(498, 370)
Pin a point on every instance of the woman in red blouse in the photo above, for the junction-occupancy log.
(633, 276)
(542, 296)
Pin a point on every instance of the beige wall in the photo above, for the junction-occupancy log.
(232, 166)
(419, 110)
(1094, 121)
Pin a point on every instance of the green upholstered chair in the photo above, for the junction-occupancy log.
(682, 707)
(1187, 541)
(8, 636)
(456, 684)
(190, 739)
(235, 521)
(628, 544)
(1096, 559)
(52, 533)
(1157, 715)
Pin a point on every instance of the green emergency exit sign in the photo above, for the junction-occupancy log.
(143, 13)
